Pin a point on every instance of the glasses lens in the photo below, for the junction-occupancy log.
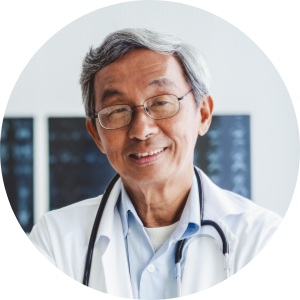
(162, 107)
(115, 116)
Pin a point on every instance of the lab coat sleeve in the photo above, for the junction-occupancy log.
(40, 237)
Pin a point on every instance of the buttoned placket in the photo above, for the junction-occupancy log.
(147, 268)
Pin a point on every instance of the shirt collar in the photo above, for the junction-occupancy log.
(125, 207)
(189, 222)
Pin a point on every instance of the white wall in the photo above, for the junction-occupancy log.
(244, 81)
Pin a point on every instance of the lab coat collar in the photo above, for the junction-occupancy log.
(110, 250)
(106, 227)
(221, 202)
(218, 204)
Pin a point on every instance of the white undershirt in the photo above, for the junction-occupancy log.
(159, 235)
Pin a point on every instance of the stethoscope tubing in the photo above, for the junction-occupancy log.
(180, 244)
(89, 256)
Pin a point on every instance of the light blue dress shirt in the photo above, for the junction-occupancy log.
(153, 274)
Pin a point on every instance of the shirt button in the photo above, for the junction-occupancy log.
(129, 229)
(151, 268)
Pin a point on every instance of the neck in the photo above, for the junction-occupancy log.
(161, 204)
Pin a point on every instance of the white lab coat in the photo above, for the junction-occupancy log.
(62, 236)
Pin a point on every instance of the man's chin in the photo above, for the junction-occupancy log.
(148, 175)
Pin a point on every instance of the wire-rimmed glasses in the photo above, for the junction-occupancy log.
(157, 107)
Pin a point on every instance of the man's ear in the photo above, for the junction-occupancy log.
(94, 134)
(206, 107)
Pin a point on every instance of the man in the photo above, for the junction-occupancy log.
(147, 100)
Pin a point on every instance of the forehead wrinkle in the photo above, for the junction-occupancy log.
(163, 82)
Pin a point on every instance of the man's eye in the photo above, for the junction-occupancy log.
(159, 103)
(120, 110)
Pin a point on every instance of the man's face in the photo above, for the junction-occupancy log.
(137, 76)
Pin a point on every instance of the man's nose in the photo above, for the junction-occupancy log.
(142, 126)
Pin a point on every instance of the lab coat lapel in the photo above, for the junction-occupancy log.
(109, 271)
(203, 266)
(204, 260)
(115, 265)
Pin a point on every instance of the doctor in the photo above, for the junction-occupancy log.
(146, 98)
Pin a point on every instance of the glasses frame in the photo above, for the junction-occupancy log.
(145, 109)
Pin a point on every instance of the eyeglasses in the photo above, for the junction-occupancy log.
(158, 108)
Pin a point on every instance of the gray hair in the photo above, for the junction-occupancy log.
(120, 42)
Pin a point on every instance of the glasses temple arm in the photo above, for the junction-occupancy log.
(185, 95)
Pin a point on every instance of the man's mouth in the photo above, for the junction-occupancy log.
(145, 154)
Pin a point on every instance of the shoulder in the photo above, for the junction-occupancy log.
(228, 205)
(72, 222)
(78, 208)
(246, 219)
(70, 215)
(252, 214)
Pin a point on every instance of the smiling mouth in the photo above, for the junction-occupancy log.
(146, 154)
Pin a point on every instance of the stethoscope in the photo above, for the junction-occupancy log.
(180, 244)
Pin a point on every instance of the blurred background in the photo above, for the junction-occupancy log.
(48, 160)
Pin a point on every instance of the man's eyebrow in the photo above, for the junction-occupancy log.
(163, 82)
(110, 93)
